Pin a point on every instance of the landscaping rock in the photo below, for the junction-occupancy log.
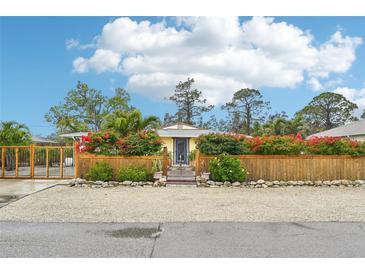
(227, 184)
(127, 183)
(203, 180)
(260, 182)
(258, 186)
(268, 183)
(98, 183)
(264, 185)
(219, 183)
(236, 184)
(210, 182)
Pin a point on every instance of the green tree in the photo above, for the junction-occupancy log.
(280, 124)
(124, 123)
(85, 109)
(328, 110)
(14, 134)
(246, 108)
(189, 102)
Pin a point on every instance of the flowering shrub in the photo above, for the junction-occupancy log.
(226, 168)
(334, 146)
(143, 143)
(99, 143)
(277, 145)
(215, 144)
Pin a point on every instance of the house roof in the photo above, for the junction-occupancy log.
(42, 140)
(182, 130)
(351, 129)
(184, 133)
(74, 134)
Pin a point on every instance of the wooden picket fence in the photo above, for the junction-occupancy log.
(294, 167)
(87, 160)
(38, 162)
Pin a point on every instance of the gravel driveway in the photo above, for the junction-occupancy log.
(185, 204)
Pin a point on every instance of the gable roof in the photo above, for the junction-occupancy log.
(182, 130)
(74, 134)
(350, 129)
(180, 125)
(42, 140)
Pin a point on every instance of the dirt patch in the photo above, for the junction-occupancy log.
(180, 204)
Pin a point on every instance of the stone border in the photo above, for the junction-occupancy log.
(204, 182)
(161, 182)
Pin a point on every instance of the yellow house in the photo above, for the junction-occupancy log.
(180, 140)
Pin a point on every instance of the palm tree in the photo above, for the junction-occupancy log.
(13, 134)
(125, 123)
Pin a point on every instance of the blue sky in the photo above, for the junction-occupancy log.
(293, 59)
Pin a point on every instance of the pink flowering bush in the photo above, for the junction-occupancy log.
(215, 144)
(104, 143)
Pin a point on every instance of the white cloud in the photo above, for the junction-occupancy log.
(72, 43)
(336, 55)
(356, 96)
(102, 60)
(222, 54)
(315, 84)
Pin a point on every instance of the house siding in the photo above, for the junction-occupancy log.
(169, 143)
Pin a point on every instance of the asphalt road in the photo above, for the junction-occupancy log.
(320, 239)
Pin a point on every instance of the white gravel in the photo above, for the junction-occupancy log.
(185, 204)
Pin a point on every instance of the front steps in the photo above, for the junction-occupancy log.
(181, 176)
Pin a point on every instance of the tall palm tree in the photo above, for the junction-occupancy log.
(125, 123)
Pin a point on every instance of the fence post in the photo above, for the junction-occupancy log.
(3, 162)
(16, 162)
(61, 161)
(197, 162)
(32, 160)
(47, 162)
(165, 161)
(76, 160)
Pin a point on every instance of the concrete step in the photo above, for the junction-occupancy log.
(181, 178)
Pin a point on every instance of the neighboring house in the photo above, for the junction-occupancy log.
(353, 130)
(41, 141)
(74, 135)
(180, 140)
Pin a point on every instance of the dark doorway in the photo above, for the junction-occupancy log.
(181, 151)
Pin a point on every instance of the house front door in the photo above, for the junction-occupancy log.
(181, 151)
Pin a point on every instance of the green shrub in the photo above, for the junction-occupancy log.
(216, 144)
(226, 168)
(133, 174)
(101, 171)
